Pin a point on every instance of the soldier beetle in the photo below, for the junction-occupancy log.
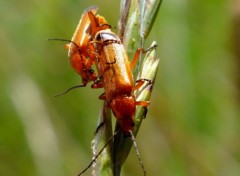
(80, 50)
(94, 43)
(115, 71)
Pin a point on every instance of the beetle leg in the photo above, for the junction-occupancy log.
(145, 80)
(149, 49)
(137, 54)
(142, 103)
(135, 58)
(102, 96)
(138, 85)
(140, 82)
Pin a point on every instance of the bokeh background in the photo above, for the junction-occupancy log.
(192, 127)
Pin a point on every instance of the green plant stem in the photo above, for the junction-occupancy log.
(103, 165)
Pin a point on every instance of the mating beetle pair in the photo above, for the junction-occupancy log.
(93, 43)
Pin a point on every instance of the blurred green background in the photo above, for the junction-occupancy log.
(192, 127)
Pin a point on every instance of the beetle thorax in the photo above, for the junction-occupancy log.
(124, 108)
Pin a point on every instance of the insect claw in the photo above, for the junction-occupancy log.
(150, 48)
(145, 111)
(98, 127)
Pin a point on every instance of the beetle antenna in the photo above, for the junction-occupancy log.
(60, 39)
(69, 89)
(99, 153)
(64, 40)
(137, 152)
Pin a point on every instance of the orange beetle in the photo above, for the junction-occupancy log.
(80, 52)
(116, 73)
